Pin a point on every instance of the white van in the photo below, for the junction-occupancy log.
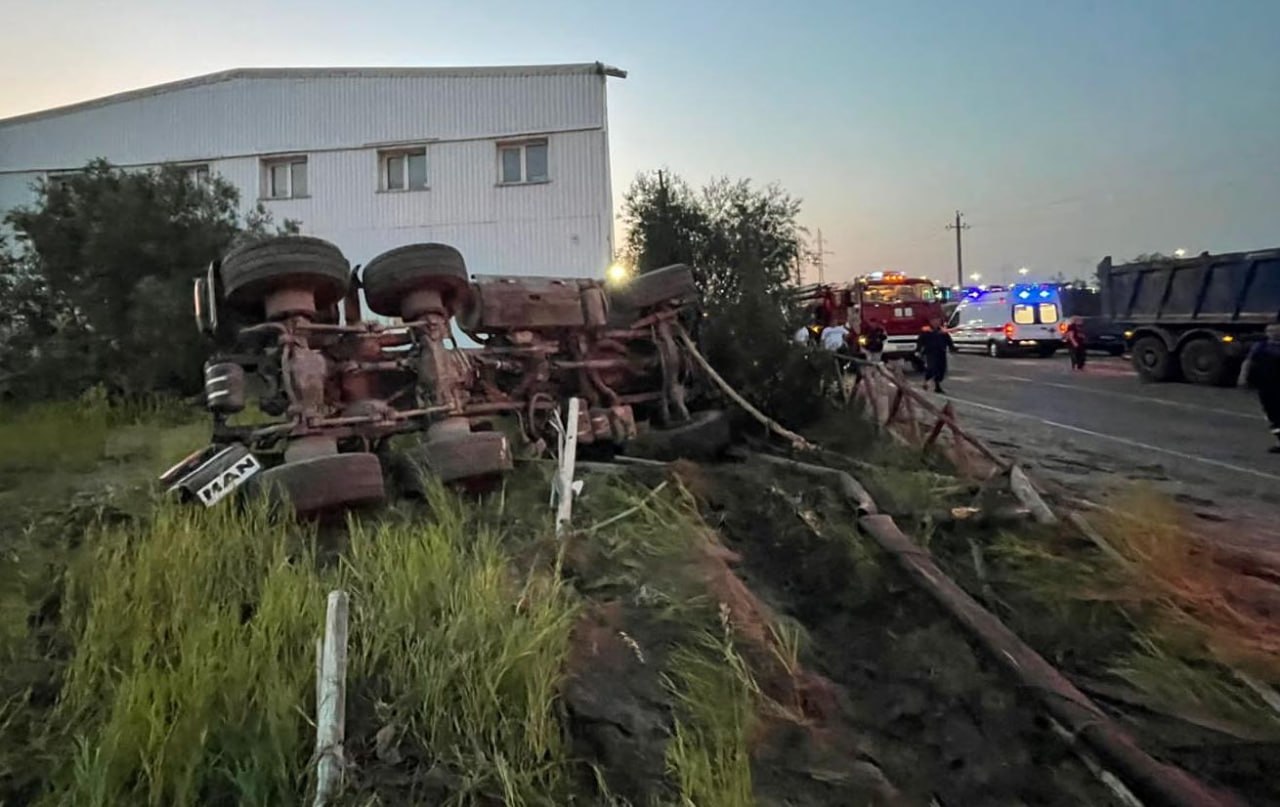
(1003, 321)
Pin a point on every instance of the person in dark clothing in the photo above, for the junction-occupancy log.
(1076, 339)
(876, 336)
(1262, 372)
(933, 344)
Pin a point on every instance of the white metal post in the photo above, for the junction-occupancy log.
(331, 704)
(564, 477)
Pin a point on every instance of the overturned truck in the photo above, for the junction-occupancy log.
(286, 319)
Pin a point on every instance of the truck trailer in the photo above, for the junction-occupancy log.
(1192, 318)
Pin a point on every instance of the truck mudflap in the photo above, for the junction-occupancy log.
(212, 474)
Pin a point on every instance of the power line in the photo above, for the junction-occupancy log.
(958, 226)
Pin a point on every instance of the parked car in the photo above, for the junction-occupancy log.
(1102, 333)
(285, 318)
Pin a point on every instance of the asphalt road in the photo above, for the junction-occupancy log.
(1087, 429)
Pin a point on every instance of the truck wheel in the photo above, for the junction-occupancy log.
(397, 272)
(703, 436)
(475, 455)
(1204, 362)
(668, 283)
(252, 272)
(995, 350)
(327, 483)
(1151, 359)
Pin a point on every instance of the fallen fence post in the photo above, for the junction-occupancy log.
(851, 488)
(1029, 496)
(1149, 779)
(777, 428)
(331, 706)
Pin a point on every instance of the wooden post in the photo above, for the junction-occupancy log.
(934, 432)
(331, 709)
(898, 395)
(1029, 496)
(564, 477)
(913, 425)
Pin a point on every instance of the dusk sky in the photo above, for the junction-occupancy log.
(1065, 129)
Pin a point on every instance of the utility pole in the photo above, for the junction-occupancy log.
(958, 226)
(819, 258)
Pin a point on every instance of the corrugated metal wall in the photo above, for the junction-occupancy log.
(560, 227)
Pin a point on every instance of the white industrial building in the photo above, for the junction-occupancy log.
(508, 164)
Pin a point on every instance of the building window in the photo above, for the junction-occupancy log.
(519, 163)
(285, 178)
(198, 174)
(402, 170)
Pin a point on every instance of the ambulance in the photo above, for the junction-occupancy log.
(1023, 319)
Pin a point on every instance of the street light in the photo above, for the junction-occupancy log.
(1178, 253)
(975, 277)
(1023, 271)
(618, 274)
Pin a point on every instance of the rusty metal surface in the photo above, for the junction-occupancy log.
(543, 340)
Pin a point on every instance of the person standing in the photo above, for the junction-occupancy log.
(934, 344)
(1076, 340)
(1261, 371)
(833, 338)
(876, 337)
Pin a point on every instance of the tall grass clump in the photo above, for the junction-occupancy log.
(194, 662)
(715, 697)
(464, 653)
(1175, 570)
(48, 437)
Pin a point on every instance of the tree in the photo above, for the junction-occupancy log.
(728, 229)
(665, 222)
(742, 243)
(102, 280)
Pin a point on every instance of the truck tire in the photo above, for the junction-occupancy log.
(475, 455)
(395, 273)
(324, 484)
(703, 436)
(995, 350)
(1204, 361)
(1152, 360)
(252, 271)
(668, 283)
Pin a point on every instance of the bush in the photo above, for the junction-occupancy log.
(100, 290)
(748, 341)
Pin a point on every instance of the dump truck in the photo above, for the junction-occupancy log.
(1193, 318)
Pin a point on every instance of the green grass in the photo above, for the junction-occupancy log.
(716, 699)
(194, 661)
(1172, 676)
(62, 437)
(155, 654)
(465, 652)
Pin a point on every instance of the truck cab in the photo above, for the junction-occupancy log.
(902, 305)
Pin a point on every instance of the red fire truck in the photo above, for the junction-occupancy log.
(902, 304)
